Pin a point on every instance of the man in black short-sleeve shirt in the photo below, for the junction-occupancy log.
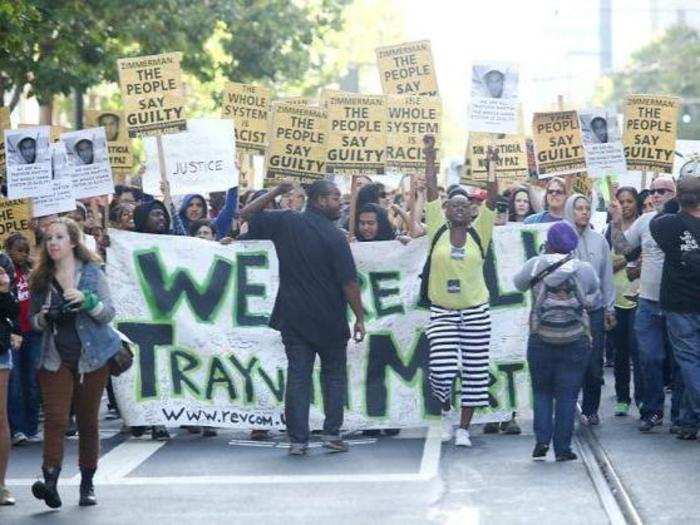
(678, 235)
(317, 281)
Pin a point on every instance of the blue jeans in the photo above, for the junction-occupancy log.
(301, 356)
(24, 395)
(684, 332)
(650, 326)
(556, 373)
(593, 380)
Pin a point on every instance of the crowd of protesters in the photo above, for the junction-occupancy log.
(629, 293)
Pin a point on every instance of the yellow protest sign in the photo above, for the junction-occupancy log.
(16, 216)
(558, 143)
(151, 87)
(409, 118)
(356, 132)
(651, 126)
(298, 101)
(4, 124)
(121, 155)
(407, 69)
(511, 166)
(248, 105)
(297, 142)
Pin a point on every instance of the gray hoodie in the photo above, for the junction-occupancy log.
(583, 273)
(594, 249)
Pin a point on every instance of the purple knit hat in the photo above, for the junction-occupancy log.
(561, 238)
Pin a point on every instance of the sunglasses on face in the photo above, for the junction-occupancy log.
(555, 192)
(660, 191)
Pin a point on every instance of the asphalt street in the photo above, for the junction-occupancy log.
(412, 478)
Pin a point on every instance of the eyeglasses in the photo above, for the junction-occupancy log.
(660, 191)
(555, 192)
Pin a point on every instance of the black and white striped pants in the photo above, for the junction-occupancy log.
(459, 343)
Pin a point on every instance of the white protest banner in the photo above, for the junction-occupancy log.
(62, 196)
(249, 106)
(207, 357)
(602, 142)
(154, 101)
(88, 162)
(407, 69)
(409, 118)
(651, 126)
(494, 105)
(28, 160)
(201, 159)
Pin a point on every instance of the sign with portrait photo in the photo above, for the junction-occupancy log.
(28, 161)
(121, 155)
(494, 98)
(87, 162)
(61, 197)
(602, 142)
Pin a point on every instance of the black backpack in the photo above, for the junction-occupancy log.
(423, 300)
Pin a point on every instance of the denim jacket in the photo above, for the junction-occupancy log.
(99, 340)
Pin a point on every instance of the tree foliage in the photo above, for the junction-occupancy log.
(671, 66)
(55, 46)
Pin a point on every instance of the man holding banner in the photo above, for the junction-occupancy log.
(318, 279)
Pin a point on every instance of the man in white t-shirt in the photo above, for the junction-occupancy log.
(650, 324)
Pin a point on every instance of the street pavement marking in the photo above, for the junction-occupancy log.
(116, 465)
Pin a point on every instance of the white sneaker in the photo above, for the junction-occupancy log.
(447, 430)
(462, 438)
(18, 438)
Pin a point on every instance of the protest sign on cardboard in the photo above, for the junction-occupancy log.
(297, 142)
(249, 106)
(511, 165)
(154, 101)
(651, 126)
(494, 105)
(16, 216)
(28, 161)
(199, 160)
(87, 162)
(407, 69)
(602, 142)
(121, 155)
(409, 118)
(558, 143)
(356, 132)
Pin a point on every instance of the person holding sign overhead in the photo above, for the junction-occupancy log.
(459, 331)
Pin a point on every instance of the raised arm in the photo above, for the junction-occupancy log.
(491, 184)
(262, 202)
(430, 168)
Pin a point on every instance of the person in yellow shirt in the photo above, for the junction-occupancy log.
(459, 330)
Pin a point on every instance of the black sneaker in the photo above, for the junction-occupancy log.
(567, 456)
(687, 433)
(540, 452)
(491, 428)
(594, 420)
(650, 422)
(511, 428)
(160, 433)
